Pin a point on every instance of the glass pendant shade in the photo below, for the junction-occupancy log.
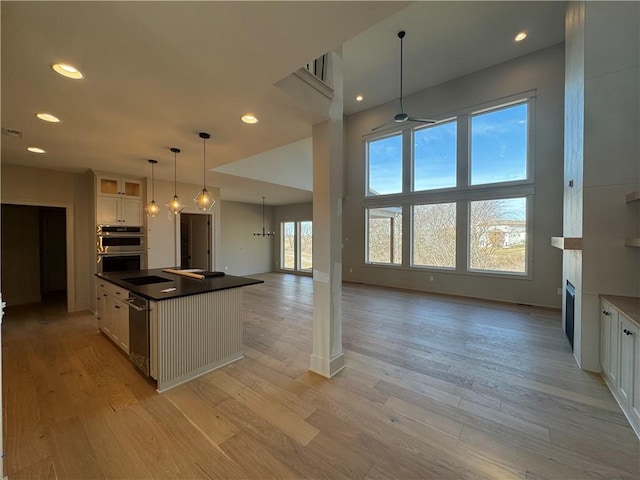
(204, 200)
(175, 206)
(152, 207)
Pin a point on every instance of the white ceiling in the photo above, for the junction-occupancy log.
(157, 73)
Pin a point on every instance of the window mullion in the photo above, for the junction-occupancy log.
(462, 206)
(407, 186)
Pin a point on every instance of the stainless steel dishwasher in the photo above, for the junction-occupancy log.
(139, 332)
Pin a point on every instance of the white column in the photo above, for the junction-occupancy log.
(327, 358)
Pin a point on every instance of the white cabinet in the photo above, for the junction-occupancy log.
(628, 354)
(620, 357)
(112, 313)
(609, 340)
(118, 201)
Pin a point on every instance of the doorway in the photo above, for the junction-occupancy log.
(195, 241)
(34, 254)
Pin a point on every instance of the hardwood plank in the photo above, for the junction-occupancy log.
(71, 451)
(280, 445)
(270, 391)
(43, 470)
(202, 414)
(434, 420)
(26, 438)
(510, 421)
(257, 461)
(110, 445)
(280, 416)
(435, 387)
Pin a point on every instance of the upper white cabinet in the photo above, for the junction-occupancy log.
(118, 201)
(119, 187)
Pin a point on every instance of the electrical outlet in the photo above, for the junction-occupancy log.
(431, 278)
(559, 290)
(226, 268)
(351, 270)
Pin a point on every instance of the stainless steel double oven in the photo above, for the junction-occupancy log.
(120, 248)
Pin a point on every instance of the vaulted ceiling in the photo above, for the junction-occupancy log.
(157, 73)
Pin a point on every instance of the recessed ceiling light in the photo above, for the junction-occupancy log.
(36, 150)
(67, 70)
(47, 117)
(359, 98)
(520, 36)
(249, 118)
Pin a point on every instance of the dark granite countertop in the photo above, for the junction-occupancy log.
(184, 286)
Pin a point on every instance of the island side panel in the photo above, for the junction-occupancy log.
(197, 334)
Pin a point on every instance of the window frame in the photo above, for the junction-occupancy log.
(462, 194)
(391, 246)
(282, 247)
(299, 246)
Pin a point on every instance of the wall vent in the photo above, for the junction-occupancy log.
(11, 132)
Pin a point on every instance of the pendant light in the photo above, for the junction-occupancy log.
(175, 206)
(152, 207)
(264, 233)
(204, 200)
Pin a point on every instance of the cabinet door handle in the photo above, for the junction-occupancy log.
(605, 312)
(117, 306)
(628, 332)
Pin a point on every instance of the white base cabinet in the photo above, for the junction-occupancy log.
(620, 357)
(112, 313)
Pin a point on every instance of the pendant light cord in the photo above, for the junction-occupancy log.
(401, 35)
(175, 174)
(204, 163)
(153, 184)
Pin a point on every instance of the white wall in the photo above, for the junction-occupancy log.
(35, 186)
(242, 253)
(602, 158)
(543, 72)
(162, 233)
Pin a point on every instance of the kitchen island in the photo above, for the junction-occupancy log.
(194, 325)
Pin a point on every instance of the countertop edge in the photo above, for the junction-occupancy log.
(185, 287)
(629, 306)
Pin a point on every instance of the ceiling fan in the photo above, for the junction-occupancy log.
(402, 117)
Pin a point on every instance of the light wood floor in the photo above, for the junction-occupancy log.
(435, 388)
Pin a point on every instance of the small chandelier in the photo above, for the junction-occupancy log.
(204, 200)
(152, 207)
(264, 233)
(174, 205)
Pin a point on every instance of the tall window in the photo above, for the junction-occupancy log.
(306, 244)
(499, 145)
(385, 235)
(498, 235)
(296, 246)
(385, 166)
(435, 157)
(288, 245)
(434, 235)
(465, 187)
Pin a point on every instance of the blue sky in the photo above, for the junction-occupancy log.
(497, 153)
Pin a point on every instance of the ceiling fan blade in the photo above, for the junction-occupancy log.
(421, 120)
(382, 126)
